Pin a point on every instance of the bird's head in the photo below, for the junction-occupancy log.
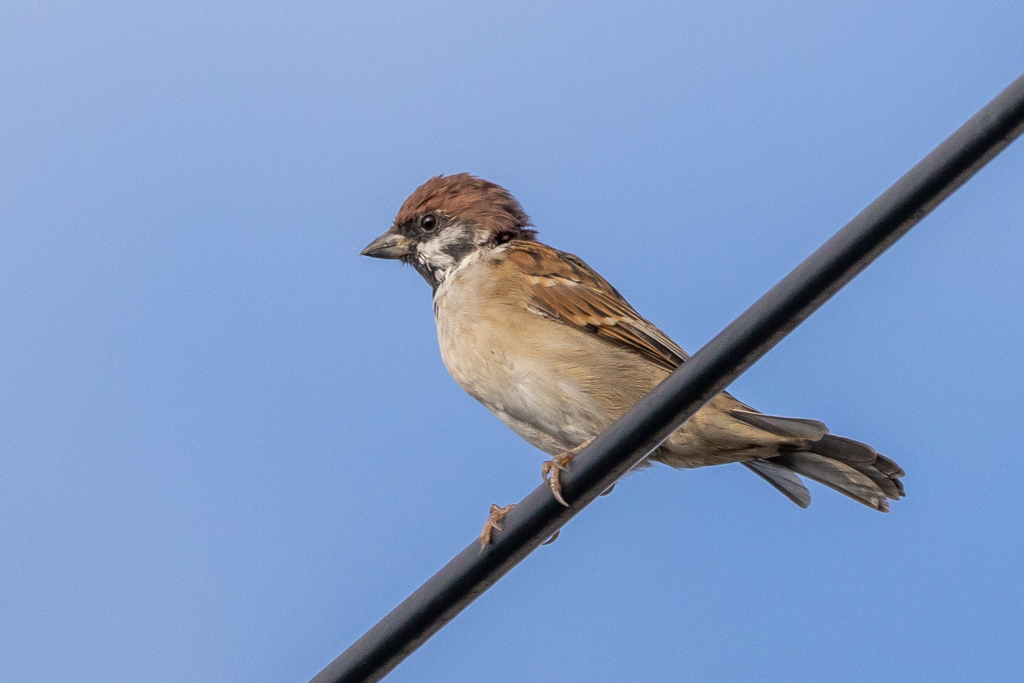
(447, 219)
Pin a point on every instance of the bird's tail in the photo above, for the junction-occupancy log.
(850, 467)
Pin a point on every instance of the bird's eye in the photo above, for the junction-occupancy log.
(428, 222)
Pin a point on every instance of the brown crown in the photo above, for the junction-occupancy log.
(469, 198)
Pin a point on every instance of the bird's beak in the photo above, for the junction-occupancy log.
(388, 245)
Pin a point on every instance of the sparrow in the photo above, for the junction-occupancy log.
(557, 354)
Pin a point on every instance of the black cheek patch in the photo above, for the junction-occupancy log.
(459, 250)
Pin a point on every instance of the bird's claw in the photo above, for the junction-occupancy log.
(493, 523)
(552, 470)
(552, 473)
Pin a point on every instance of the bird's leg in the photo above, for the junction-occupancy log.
(552, 470)
(493, 522)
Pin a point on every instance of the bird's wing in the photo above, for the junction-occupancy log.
(566, 289)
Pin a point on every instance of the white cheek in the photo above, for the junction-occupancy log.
(432, 253)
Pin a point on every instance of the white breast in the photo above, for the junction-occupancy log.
(488, 347)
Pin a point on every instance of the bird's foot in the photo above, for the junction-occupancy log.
(493, 523)
(553, 468)
(554, 537)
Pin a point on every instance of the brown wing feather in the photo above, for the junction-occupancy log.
(568, 290)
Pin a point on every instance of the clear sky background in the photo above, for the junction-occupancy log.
(228, 445)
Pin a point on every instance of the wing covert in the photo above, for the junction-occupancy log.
(566, 289)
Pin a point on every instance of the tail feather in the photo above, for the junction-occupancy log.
(784, 480)
(836, 475)
(850, 467)
(884, 472)
(892, 488)
(889, 467)
(782, 426)
(844, 450)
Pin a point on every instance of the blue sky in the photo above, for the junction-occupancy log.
(228, 445)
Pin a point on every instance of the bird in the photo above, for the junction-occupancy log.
(557, 354)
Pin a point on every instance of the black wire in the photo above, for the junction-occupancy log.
(664, 410)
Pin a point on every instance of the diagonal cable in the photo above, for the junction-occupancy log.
(628, 441)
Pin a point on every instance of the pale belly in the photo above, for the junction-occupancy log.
(552, 413)
(517, 379)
